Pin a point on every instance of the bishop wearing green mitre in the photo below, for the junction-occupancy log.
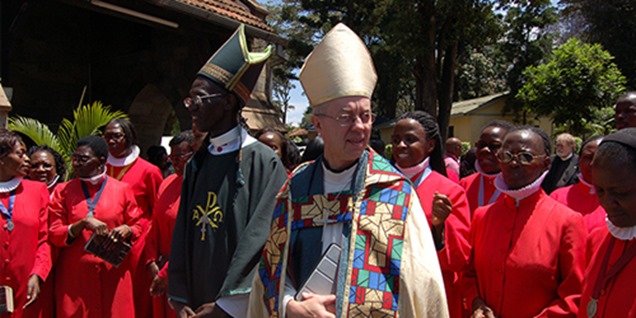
(228, 190)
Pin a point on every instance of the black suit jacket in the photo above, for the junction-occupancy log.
(562, 173)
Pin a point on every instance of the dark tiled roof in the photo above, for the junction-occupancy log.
(230, 9)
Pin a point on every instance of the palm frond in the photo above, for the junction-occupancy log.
(37, 131)
(89, 118)
(67, 136)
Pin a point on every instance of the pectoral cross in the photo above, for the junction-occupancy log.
(333, 209)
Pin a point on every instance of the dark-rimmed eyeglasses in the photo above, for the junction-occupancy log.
(525, 158)
(493, 148)
(348, 120)
(115, 136)
(198, 100)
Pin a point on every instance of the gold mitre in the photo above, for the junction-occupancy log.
(339, 66)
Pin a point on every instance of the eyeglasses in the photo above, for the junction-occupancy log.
(116, 136)
(492, 147)
(347, 120)
(524, 158)
(180, 156)
(198, 100)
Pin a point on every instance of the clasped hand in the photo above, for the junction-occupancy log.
(121, 232)
(312, 305)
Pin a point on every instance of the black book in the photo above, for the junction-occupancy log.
(111, 250)
(6, 299)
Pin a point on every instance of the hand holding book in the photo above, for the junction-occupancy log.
(112, 248)
(95, 225)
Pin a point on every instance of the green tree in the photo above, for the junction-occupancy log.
(610, 23)
(299, 43)
(415, 44)
(481, 73)
(305, 122)
(526, 42)
(574, 86)
(87, 120)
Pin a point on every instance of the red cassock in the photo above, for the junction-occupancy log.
(25, 250)
(527, 258)
(144, 178)
(86, 286)
(452, 175)
(159, 237)
(582, 198)
(617, 296)
(471, 185)
(453, 257)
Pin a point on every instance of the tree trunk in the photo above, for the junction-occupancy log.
(447, 88)
(425, 67)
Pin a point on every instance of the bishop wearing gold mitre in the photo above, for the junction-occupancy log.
(350, 197)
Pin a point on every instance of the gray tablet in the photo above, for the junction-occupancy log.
(322, 280)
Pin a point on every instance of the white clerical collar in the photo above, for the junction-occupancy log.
(338, 181)
(483, 173)
(95, 179)
(8, 186)
(232, 140)
(568, 157)
(522, 193)
(592, 189)
(53, 182)
(124, 161)
(621, 233)
(410, 172)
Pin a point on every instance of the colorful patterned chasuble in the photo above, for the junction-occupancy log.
(379, 208)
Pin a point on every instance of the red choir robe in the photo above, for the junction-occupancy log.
(582, 198)
(471, 186)
(85, 285)
(527, 258)
(452, 175)
(617, 298)
(144, 178)
(453, 257)
(25, 250)
(159, 237)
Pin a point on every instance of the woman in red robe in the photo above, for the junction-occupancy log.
(159, 238)
(608, 285)
(581, 196)
(85, 285)
(480, 186)
(417, 152)
(47, 165)
(25, 254)
(528, 250)
(125, 164)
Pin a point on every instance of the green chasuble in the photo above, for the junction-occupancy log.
(223, 223)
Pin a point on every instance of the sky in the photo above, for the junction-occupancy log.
(300, 103)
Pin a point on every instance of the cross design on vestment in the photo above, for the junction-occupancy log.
(381, 226)
(211, 215)
(329, 208)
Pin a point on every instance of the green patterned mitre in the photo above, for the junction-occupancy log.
(234, 67)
